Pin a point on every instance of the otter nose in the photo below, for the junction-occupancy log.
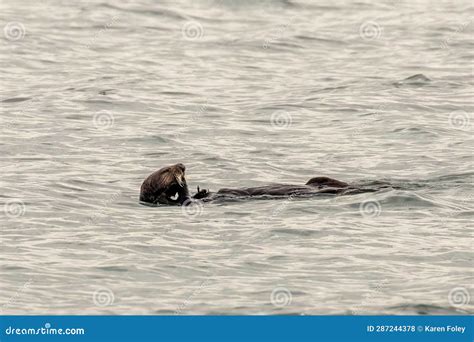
(180, 180)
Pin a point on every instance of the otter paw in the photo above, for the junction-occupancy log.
(201, 193)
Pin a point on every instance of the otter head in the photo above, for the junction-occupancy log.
(166, 186)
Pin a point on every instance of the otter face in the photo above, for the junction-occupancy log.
(166, 186)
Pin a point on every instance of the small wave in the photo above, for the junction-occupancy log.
(165, 312)
(113, 269)
(321, 40)
(300, 232)
(107, 91)
(150, 12)
(410, 200)
(415, 80)
(177, 93)
(415, 131)
(425, 309)
(407, 199)
(17, 99)
(464, 177)
(69, 187)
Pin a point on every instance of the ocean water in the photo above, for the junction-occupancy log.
(96, 95)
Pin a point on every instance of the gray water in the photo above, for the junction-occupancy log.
(96, 95)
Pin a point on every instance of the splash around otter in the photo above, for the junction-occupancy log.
(168, 186)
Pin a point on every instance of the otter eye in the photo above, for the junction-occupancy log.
(174, 197)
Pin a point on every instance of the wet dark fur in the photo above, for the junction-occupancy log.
(316, 185)
(168, 186)
(162, 185)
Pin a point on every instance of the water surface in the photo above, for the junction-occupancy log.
(96, 95)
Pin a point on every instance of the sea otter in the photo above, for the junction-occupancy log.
(168, 186)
